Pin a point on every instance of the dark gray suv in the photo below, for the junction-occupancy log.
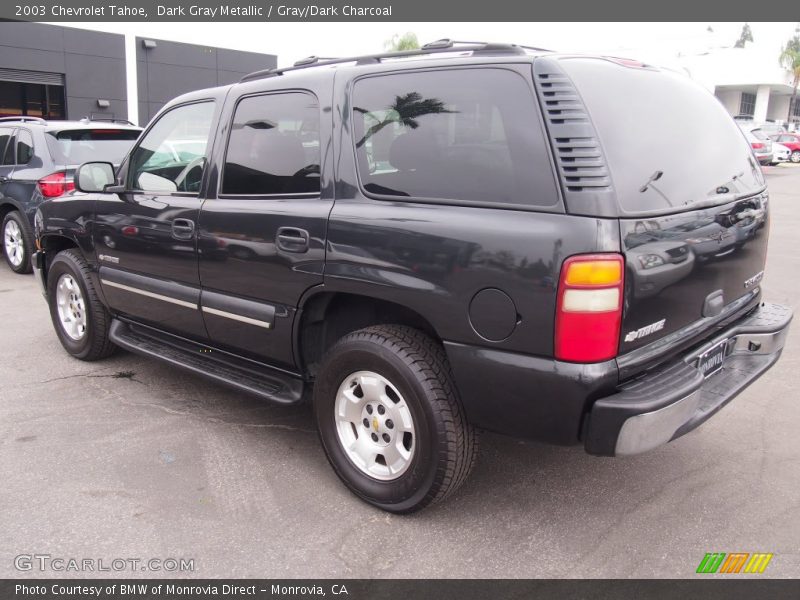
(37, 162)
(429, 242)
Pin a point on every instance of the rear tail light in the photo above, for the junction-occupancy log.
(757, 145)
(589, 313)
(55, 184)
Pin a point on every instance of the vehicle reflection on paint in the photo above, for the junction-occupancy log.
(664, 250)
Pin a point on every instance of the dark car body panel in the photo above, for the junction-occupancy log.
(724, 260)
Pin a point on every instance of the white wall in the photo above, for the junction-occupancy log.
(778, 107)
(730, 99)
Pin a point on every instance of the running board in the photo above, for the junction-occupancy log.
(249, 376)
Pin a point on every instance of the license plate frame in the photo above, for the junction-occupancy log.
(712, 360)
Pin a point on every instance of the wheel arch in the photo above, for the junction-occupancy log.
(8, 205)
(52, 244)
(327, 316)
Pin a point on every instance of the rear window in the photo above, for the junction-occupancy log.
(669, 143)
(76, 146)
(462, 136)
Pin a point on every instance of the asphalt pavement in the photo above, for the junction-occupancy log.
(131, 459)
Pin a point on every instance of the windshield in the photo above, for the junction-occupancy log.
(669, 143)
(76, 146)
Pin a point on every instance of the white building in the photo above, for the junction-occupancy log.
(748, 81)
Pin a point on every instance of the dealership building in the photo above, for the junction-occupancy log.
(59, 72)
(748, 81)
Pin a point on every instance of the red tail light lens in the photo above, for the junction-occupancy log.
(757, 145)
(589, 313)
(56, 184)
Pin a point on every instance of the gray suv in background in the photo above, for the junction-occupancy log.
(37, 161)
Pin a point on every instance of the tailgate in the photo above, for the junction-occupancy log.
(691, 268)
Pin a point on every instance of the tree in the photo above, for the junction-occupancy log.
(790, 59)
(398, 43)
(745, 36)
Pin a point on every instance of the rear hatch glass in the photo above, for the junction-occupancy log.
(692, 207)
(72, 147)
(669, 143)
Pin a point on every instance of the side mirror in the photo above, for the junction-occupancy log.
(94, 177)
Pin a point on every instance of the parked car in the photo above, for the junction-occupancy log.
(780, 153)
(38, 162)
(759, 142)
(438, 246)
(790, 141)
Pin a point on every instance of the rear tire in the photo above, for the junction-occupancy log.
(17, 243)
(387, 391)
(81, 321)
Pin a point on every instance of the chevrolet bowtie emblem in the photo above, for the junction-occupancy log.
(375, 423)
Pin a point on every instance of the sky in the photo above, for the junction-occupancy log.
(651, 42)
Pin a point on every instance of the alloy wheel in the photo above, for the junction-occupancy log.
(374, 425)
(71, 307)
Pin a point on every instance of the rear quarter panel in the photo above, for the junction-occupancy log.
(434, 258)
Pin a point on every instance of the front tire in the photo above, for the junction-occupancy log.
(390, 419)
(17, 243)
(795, 158)
(81, 321)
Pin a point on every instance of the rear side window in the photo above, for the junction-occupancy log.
(465, 135)
(76, 146)
(24, 147)
(669, 143)
(6, 144)
(274, 146)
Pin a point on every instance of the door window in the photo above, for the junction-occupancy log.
(274, 146)
(172, 155)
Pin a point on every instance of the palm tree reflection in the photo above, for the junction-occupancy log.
(405, 110)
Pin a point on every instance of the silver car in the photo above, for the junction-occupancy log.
(759, 142)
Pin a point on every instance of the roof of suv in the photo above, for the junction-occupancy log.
(64, 125)
(444, 48)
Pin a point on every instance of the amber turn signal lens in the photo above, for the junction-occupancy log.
(594, 272)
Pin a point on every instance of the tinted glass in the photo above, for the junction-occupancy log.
(24, 147)
(11, 103)
(700, 155)
(468, 135)
(171, 156)
(274, 146)
(75, 146)
(5, 139)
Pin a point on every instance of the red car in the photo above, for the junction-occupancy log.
(791, 141)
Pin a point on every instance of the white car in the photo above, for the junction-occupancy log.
(780, 153)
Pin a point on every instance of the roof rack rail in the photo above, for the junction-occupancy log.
(310, 60)
(24, 118)
(436, 47)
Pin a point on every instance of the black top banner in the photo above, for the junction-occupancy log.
(396, 10)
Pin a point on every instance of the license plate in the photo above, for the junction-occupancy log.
(711, 360)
